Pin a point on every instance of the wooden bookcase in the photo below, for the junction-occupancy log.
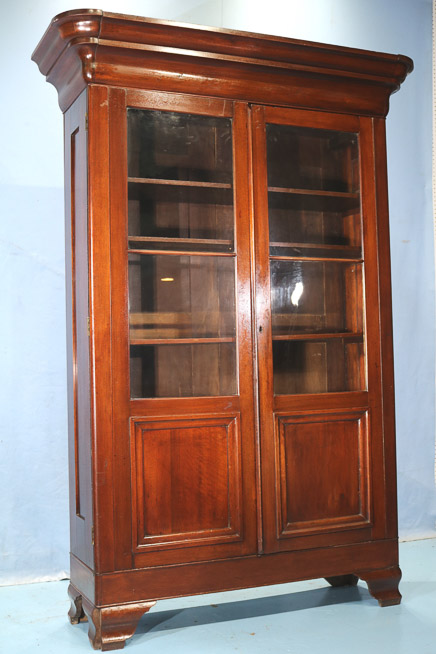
(231, 397)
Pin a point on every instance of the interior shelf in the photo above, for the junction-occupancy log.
(283, 257)
(313, 246)
(352, 336)
(313, 192)
(210, 246)
(181, 341)
(180, 191)
(181, 239)
(183, 253)
(315, 251)
(312, 199)
(177, 182)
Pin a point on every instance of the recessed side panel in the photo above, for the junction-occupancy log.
(322, 473)
(186, 478)
(78, 353)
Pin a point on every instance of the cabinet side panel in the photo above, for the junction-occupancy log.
(387, 354)
(77, 293)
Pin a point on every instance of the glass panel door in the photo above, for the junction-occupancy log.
(315, 248)
(181, 255)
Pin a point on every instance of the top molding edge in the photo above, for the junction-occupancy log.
(92, 34)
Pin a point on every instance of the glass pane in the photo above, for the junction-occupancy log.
(169, 145)
(316, 159)
(182, 304)
(316, 297)
(313, 199)
(179, 217)
(313, 233)
(181, 297)
(180, 182)
(314, 223)
(201, 369)
(182, 325)
(318, 366)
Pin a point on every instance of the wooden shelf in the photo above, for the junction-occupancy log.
(312, 200)
(168, 239)
(178, 182)
(352, 336)
(282, 257)
(314, 246)
(313, 192)
(185, 253)
(180, 191)
(182, 341)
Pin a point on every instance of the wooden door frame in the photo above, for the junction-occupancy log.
(276, 408)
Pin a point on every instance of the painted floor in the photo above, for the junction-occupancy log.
(294, 618)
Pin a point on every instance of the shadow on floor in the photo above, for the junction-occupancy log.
(254, 608)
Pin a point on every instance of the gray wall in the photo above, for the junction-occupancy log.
(34, 538)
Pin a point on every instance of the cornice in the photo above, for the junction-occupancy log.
(88, 46)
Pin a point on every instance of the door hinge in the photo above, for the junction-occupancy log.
(89, 326)
(86, 122)
(92, 535)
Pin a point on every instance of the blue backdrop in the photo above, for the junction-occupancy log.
(34, 538)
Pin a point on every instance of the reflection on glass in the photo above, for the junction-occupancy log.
(313, 199)
(315, 236)
(316, 297)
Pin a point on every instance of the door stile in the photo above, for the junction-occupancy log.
(373, 259)
(248, 374)
(245, 349)
(263, 329)
(120, 328)
(387, 354)
(100, 326)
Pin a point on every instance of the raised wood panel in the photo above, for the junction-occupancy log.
(322, 473)
(186, 479)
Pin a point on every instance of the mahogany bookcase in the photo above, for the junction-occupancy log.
(231, 401)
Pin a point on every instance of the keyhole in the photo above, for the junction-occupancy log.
(261, 328)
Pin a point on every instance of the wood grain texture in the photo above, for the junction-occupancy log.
(122, 496)
(88, 46)
(186, 478)
(333, 495)
(100, 325)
